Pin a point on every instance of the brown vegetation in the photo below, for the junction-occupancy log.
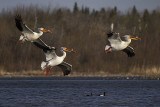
(85, 31)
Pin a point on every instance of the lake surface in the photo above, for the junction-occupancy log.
(71, 92)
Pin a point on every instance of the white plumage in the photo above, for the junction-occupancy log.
(28, 34)
(52, 59)
(116, 44)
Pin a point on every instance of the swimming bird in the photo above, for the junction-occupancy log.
(52, 59)
(89, 94)
(116, 44)
(104, 94)
(28, 34)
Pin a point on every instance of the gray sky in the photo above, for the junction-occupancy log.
(122, 5)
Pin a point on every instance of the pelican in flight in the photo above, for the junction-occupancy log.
(28, 34)
(52, 59)
(116, 44)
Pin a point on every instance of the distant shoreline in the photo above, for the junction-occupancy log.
(59, 74)
(81, 78)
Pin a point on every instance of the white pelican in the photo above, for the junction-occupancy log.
(116, 44)
(52, 59)
(28, 34)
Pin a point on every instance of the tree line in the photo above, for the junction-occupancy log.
(85, 31)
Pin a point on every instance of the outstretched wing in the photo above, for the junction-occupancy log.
(113, 38)
(21, 26)
(66, 68)
(129, 50)
(49, 51)
(40, 44)
(50, 54)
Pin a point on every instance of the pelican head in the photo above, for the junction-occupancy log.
(67, 50)
(44, 30)
(132, 37)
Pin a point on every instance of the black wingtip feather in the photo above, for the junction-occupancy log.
(131, 54)
(129, 51)
(19, 22)
(66, 68)
(109, 34)
(66, 72)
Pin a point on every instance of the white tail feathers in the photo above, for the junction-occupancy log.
(21, 37)
(108, 49)
(43, 65)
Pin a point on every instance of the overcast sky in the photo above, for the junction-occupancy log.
(122, 5)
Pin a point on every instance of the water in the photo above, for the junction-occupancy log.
(71, 92)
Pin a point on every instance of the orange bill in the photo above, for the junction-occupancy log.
(45, 30)
(69, 50)
(134, 37)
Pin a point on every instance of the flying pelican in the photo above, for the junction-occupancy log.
(116, 44)
(28, 34)
(52, 59)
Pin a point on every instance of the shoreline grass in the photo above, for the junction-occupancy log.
(152, 72)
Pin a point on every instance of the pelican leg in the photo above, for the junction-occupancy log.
(108, 52)
(45, 69)
(20, 41)
(108, 49)
(48, 71)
